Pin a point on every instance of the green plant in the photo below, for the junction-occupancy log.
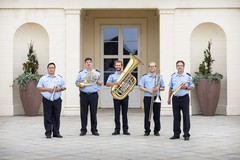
(205, 68)
(30, 68)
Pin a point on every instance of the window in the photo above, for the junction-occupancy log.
(118, 43)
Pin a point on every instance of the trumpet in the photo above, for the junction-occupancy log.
(52, 96)
(179, 87)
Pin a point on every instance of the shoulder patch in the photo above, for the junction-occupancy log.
(80, 71)
(97, 70)
(188, 74)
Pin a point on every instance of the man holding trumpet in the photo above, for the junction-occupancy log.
(179, 87)
(51, 85)
(149, 84)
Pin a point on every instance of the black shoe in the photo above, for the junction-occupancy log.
(175, 137)
(57, 136)
(95, 133)
(82, 134)
(157, 134)
(186, 138)
(115, 133)
(146, 134)
(48, 136)
(126, 133)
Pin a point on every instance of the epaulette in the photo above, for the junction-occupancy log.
(97, 70)
(80, 71)
(59, 75)
(173, 74)
(188, 74)
(144, 74)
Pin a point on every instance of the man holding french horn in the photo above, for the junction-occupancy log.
(51, 85)
(152, 83)
(179, 87)
(89, 81)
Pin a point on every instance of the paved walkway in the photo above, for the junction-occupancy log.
(214, 138)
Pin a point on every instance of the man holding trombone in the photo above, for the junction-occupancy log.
(179, 86)
(51, 85)
(152, 84)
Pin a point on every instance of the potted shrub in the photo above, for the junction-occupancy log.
(208, 84)
(27, 81)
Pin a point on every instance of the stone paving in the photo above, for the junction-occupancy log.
(212, 138)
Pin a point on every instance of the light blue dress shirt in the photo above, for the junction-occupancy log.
(177, 80)
(88, 89)
(148, 81)
(113, 77)
(47, 81)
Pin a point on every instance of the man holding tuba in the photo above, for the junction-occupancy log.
(89, 81)
(112, 80)
(148, 85)
(179, 86)
(51, 85)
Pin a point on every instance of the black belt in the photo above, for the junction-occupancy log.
(88, 93)
(181, 96)
(49, 100)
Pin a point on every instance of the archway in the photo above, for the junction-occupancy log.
(199, 41)
(24, 35)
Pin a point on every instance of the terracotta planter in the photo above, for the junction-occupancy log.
(31, 99)
(208, 96)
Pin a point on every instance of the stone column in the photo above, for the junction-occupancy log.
(167, 58)
(72, 60)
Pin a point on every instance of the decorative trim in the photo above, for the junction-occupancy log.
(72, 11)
(166, 11)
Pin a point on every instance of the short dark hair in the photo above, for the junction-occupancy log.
(88, 59)
(180, 61)
(117, 61)
(51, 63)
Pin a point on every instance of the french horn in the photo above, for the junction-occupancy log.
(89, 80)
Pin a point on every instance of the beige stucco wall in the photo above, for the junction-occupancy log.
(70, 25)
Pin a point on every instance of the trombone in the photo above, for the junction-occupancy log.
(157, 100)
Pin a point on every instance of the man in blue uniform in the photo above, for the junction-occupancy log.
(112, 80)
(180, 101)
(148, 84)
(89, 81)
(52, 102)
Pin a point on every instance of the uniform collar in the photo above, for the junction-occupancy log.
(118, 72)
(150, 75)
(85, 70)
(55, 75)
(183, 74)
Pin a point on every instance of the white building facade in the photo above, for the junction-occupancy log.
(67, 31)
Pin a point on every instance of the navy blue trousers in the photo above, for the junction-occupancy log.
(181, 104)
(85, 101)
(51, 113)
(118, 104)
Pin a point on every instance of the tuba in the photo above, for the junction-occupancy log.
(90, 79)
(128, 80)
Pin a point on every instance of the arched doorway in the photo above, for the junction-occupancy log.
(199, 41)
(24, 35)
